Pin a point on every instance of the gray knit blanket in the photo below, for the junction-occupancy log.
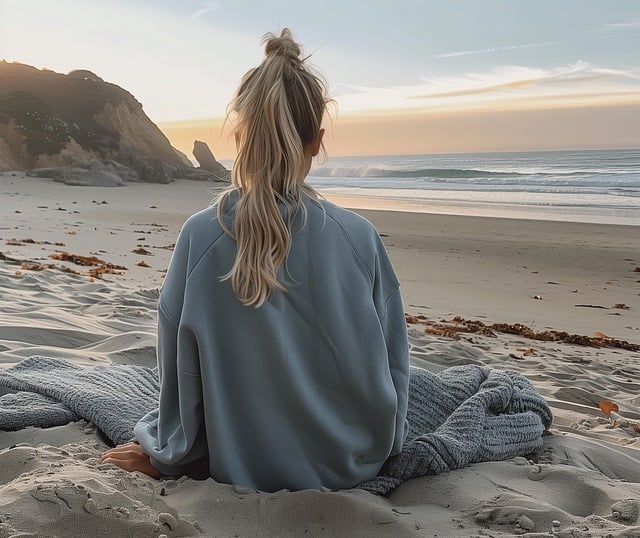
(462, 415)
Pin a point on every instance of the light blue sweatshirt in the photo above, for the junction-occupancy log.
(307, 391)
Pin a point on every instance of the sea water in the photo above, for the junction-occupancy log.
(600, 186)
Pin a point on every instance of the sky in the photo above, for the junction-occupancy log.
(408, 76)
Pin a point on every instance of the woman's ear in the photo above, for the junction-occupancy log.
(317, 143)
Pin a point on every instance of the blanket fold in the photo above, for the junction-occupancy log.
(462, 415)
(113, 397)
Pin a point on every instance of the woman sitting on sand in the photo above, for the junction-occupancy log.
(282, 343)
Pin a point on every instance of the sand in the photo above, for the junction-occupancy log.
(584, 482)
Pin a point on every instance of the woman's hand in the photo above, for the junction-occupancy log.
(130, 457)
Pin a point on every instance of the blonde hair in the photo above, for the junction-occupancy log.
(278, 111)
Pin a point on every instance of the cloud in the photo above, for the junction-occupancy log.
(498, 49)
(509, 86)
(627, 25)
(478, 90)
(207, 8)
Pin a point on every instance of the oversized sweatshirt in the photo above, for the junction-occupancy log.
(308, 390)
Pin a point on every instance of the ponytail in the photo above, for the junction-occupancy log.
(278, 113)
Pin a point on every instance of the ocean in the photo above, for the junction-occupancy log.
(598, 186)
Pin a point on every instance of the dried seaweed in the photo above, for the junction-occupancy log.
(84, 260)
(474, 326)
(27, 241)
(29, 266)
(449, 332)
(97, 272)
(100, 267)
(452, 328)
(415, 319)
(143, 251)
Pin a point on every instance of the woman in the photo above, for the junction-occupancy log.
(282, 344)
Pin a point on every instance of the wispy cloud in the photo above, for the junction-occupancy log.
(498, 49)
(627, 25)
(511, 86)
(207, 8)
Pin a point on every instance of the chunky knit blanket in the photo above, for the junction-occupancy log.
(462, 415)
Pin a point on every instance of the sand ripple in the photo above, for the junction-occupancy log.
(67, 316)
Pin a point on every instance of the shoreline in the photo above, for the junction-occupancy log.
(573, 214)
(365, 201)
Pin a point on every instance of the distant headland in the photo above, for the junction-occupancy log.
(79, 129)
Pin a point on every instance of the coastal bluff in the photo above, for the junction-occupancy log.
(77, 128)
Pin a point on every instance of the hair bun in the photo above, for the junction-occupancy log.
(282, 45)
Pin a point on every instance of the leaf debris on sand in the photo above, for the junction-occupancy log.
(451, 328)
(100, 267)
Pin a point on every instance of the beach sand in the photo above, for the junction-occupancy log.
(578, 278)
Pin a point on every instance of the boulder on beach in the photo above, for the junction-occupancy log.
(199, 174)
(85, 177)
(93, 173)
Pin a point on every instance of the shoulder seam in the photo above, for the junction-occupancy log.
(204, 252)
(353, 248)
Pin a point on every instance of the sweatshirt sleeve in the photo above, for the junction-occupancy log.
(394, 327)
(173, 435)
(388, 301)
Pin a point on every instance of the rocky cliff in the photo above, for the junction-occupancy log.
(49, 119)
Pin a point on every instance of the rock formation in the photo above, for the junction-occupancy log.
(207, 161)
(93, 173)
(51, 120)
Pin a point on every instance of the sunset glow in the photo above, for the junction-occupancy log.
(422, 77)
